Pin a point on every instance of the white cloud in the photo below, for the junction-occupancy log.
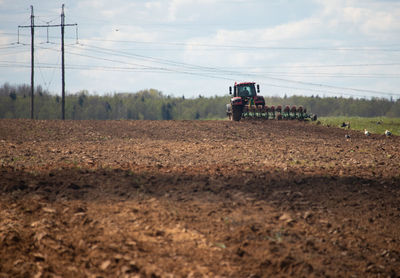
(291, 30)
(92, 4)
(153, 5)
(4, 39)
(374, 18)
(196, 49)
(174, 7)
(179, 8)
(119, 10)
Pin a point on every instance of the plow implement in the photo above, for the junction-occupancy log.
(245, 103)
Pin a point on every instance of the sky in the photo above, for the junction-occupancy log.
(343, 48)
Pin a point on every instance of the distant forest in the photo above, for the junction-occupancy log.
(154, 105)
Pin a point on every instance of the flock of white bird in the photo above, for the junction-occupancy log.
(388, 133)
(367, 133)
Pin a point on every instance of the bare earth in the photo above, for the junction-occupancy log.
(197, 199)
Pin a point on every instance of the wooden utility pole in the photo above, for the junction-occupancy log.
(62, 65)
(62, 25)
(32, 61)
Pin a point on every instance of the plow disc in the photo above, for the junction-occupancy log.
(271, 113)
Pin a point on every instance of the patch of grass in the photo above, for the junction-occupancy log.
(376, 125)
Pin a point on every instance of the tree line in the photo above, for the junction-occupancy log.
(154, 105)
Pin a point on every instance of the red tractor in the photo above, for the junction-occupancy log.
(245, 103)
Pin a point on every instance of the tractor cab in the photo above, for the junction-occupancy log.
(244, 90)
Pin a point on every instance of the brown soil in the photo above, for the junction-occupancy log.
(197, 199)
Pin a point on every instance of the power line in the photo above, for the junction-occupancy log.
(102, 59)
(304, 74)
(230, 72)
(215, 70)
(53, 67)
(9, 46)
(323, 66)
(251, 47)
(214, 75)
(222, 73)
(312, 90)
(126, 69)
(224, 47)
(208, 69)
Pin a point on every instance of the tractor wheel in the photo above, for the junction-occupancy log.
(237, 113)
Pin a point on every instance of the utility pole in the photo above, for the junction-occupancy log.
(32, 60)
(62, 65)
(33, 26)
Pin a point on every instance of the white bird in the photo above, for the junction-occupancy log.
(388, 133)
(366, 132)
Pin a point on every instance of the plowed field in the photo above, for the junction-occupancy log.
(197, 199)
